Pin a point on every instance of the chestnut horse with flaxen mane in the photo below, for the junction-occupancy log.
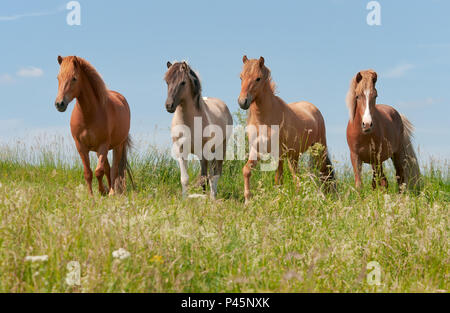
(100, 122)
(377, 132)
(301, 125)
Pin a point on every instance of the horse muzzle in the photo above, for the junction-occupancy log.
(244, 103)
(367, 127)
(61, 106)
(171, 107)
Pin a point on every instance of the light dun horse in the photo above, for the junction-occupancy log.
(376, 133)
(301, 124)
(100, 121)
(185, 99)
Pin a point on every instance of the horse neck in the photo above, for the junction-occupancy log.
(187, 111)
(87, 99)
(264, 106)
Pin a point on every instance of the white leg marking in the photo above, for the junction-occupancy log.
(184, 175)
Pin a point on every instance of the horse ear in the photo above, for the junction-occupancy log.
(261, 61)
(75, 61)
(184, 66)
(244, 59)
(169, 64)
(60, 59)
(358, 77)
(375, 77)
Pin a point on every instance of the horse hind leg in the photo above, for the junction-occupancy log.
(204, 173)
(399, 160)
(216, 172)
(327, 175)
(115, 171)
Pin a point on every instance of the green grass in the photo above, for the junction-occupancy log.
(288, 239)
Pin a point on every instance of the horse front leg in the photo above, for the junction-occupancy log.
(84, 155)
(357, 167)
(184, 176)
(247, 171)
(102, 154)
(279, 174)
(378, 176)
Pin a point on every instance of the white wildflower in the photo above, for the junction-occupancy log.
(121, 254)
(36, 258)
(197, 196)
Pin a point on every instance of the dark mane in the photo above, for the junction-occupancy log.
(178, 72)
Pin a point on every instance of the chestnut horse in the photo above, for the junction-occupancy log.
(301, 124)
(377, 132)
(185, 99)
(100, 122)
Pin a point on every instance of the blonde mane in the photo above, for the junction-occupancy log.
(252, 68)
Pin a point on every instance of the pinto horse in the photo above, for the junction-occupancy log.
(100, 122)
(377, 132)
(185, 100)
(301, 124)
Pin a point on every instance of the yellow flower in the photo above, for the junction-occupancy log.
(157, 259)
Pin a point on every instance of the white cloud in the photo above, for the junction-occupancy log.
(398, 71)
(33, 14)
(30, 71)
(6, 79)
(421, 103)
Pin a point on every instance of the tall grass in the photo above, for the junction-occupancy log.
(292, 238)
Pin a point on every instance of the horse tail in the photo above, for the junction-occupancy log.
(320, 160)
(124, 165)
(411, 167)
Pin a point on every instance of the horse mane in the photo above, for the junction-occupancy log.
(252, 67)
(360, 82)
(98, 85)
(178, 71)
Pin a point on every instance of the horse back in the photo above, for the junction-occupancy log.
(217, 112)
(118, 112)
(307, 119)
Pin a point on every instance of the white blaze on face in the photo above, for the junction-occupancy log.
(367, 118)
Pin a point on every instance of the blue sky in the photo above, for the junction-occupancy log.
(313, 48)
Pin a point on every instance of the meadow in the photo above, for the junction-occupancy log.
(292, 238)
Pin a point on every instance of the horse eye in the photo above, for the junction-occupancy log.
(74, 79)
(183, 83)
(258, 79)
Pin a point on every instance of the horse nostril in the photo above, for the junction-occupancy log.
(363, 125)
(371, 125)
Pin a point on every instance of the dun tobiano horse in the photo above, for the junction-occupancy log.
(185, 99)
(301, 124)
(100, 121)
(376, 133)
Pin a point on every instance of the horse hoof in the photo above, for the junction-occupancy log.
(111, 193)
